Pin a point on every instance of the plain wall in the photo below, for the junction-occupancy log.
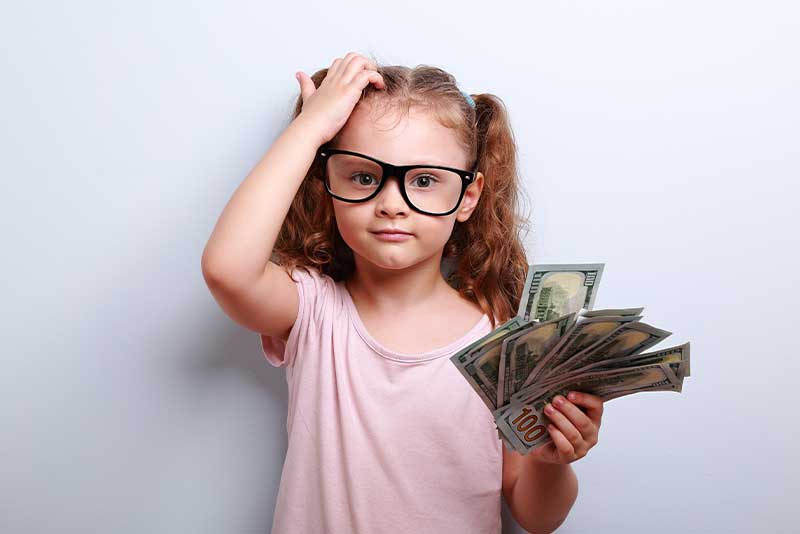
(660, 138)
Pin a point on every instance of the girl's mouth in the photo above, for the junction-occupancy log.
(391, 236)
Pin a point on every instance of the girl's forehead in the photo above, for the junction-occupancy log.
(414, 137)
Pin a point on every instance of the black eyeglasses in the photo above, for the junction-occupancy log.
(428, 189)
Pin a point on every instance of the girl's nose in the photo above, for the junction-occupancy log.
(391, 198)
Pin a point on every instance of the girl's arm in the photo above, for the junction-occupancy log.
(242, 240)
(236, 264)
(539, 494)
(252, 290)
(541, 487)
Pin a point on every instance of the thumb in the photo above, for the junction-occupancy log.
(307, 86)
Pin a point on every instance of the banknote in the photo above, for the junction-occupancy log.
(558, 343)
(582, 335)
(553, 290)
(522, 350)
(470, 358)
(677, 358)
(524, 424)
(629, 338)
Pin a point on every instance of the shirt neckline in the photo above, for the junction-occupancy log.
(451, 347)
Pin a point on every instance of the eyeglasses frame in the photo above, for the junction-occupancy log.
(393, 171)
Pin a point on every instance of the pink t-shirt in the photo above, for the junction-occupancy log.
(379, 441)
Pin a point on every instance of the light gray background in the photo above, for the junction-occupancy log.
(658, 137)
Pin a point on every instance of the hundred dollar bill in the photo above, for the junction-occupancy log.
(468, 359)
(630, 338)
(671, 355)
(677, 388)
(554, 290)
(676, 357)
(523, 349)
(557, 343)
(625, 312)
(660, 381)
(486, 361)
(600, 382)
(583, 334)
(524, 423)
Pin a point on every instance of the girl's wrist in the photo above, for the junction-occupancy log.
(311, 130)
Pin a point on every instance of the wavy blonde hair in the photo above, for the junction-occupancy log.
(487, 256)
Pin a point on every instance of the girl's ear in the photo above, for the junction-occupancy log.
(470, 200)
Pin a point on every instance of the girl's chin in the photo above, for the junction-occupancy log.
(392, 262)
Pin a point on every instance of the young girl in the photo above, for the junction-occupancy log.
(384, 174)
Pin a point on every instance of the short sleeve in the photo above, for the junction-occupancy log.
(314, 289)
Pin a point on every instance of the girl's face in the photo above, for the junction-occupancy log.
(417, 139)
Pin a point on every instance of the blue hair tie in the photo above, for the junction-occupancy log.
(469, 99)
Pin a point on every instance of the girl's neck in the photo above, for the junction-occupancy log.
(387, 291)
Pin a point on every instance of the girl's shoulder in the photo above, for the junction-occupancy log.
(314, 286)
(316, 293)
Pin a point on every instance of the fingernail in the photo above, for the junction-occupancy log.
(548, 408)
(572, 395)
(558, 400)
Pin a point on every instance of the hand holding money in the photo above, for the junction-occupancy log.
(575, 428)
(557, 344)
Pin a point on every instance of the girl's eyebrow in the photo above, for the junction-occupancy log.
(422, 161)
(418, 161)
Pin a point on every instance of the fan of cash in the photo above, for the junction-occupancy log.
(555, 344)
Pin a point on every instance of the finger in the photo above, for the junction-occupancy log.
(548, 452)
(358, 65)
(561, 442)
(592, 403)
(564, 425)
(577, 417)
(307, 87)
(335, 66)
(345, 65)
(370, 76)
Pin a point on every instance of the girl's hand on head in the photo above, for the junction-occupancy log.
(575, 430)
(329, 106)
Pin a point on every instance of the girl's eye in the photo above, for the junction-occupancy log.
(426, 178)
(358, 176)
